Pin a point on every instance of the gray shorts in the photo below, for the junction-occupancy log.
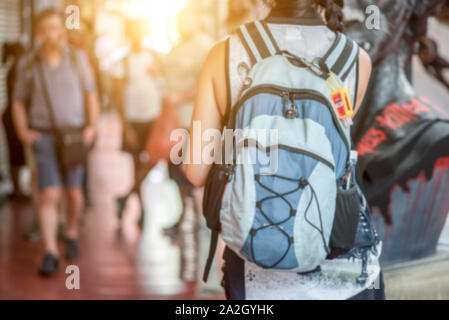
(48, 169)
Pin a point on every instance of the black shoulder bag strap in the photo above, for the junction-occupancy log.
(45, 92)
(70, 144)
(47, 99)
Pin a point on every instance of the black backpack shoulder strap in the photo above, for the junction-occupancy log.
(258, 41)
(227, 115)
(46, 95)
(211, 255)
(342, 56)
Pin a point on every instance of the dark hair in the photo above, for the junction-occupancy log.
(45, 14)
(300, 8)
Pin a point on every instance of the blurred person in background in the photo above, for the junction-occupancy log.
(62, 93)
(182, 67)
(11, 54)
(139, 91)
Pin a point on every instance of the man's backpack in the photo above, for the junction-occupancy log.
(302, 209)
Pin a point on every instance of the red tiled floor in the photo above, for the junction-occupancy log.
(113, 265)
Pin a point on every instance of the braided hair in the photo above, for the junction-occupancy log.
(299, 8)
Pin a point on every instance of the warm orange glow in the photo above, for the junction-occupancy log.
(161, 16)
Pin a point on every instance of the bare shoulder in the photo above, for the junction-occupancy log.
(364, 61)
(364, 76)
(216, 56)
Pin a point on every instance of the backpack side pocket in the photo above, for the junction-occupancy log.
(217, 180)
(346, 221)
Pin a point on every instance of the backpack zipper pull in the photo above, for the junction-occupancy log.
(290, 112)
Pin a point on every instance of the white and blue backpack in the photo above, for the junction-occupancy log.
(285, 219)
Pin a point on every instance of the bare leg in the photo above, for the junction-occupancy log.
(33, 234)
(48, 215)
(75, 205)
(15, 172)
(141, 171)
(34, 189)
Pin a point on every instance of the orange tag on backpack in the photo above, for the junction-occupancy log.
(342, 103)
(340, 99)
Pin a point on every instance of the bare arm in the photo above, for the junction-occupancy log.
(119, 94)
(92, 114)
(20, 119)
(93, 108)
(91, 99)
(210, 103)
(364, 76)
(21, 94)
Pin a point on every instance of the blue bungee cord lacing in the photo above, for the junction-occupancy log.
(302, 184)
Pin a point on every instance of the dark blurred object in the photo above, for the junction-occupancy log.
(432, 61)
(401, 138)
(11, 55)
(2, 199)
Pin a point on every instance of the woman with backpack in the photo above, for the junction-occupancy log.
(297, 73)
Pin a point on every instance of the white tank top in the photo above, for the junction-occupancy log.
(143, 92)
(337, 280)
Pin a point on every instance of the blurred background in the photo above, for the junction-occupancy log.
(121, 260)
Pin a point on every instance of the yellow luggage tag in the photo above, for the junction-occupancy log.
(342, 102)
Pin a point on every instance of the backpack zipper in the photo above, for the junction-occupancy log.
(293, 94)
(291, 149)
